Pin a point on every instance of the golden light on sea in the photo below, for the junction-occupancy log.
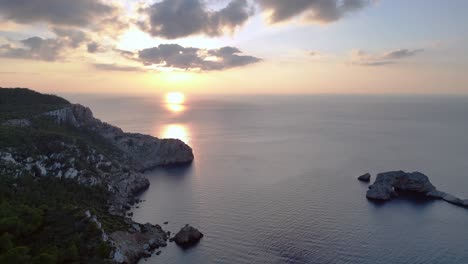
(175, 102)
(177, 131)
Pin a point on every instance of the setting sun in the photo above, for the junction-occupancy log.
(176, 98)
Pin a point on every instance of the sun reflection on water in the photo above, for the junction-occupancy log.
(177, 131)
(175, 108)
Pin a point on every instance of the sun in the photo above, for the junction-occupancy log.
(175, 98)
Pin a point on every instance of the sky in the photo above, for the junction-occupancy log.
(235, 46)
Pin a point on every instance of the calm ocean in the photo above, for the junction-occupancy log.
(274, 177)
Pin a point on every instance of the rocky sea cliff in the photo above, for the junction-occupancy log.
(67, 142)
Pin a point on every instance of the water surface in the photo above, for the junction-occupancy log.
(274, 177)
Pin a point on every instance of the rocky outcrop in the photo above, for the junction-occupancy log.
(140, 241)
(17, 123)
(143, 152)
(365, 177)
(187, 236)
(388, 184)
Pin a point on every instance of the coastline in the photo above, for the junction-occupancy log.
(112, 159)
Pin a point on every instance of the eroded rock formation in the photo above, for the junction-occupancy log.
(388, 184)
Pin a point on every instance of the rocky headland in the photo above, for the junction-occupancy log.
(388, 185)
(68, 142)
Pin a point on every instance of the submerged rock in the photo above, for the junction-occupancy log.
(188, 236)
(365, 177)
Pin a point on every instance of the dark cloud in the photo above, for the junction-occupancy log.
(400, 54)
(51, 49)
(323, 11)
(176, 56)
(34, 48)
(73, 37)
(115, 67)
(180, 18)
(93, 47)
(362, 58)
(56, 12)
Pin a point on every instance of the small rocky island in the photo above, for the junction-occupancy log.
(388, 185)
(47, 141)
(188, 236)
(365, 177)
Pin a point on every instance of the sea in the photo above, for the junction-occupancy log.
(274, 178)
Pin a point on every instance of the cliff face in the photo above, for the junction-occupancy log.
(142, 152)
(46, 139)
(118, 169)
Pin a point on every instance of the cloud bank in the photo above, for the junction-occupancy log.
(172, 19)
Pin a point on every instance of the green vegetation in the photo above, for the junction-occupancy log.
(42, 220)
(37, 138)
(17, 103)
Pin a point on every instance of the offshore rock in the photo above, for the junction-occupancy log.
(388, 184)
(188, 236)
(365, 177)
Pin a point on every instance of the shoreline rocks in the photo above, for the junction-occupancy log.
(187, 237)
(387, 185)
(140, 241)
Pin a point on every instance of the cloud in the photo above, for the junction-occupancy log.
(400, 54)
(72, 37)
(115, 67)
(173, 19)
(321, 11)
(313, 53)
(176, 56)
(92, 47)
(33, 48)
(359, 57)
(56, 12)
(50, 49)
